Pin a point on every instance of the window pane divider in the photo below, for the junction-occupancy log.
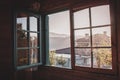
(23, 48)
(100, 26)
(33, 47)
(93, 27)
(81, 28)
(91, 37)
(94, 47)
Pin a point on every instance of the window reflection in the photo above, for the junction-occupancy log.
(22, 39)
(27, 39)
(33, 55)
(33, 24)
(33, 40)
(22, 57)
(22, 23)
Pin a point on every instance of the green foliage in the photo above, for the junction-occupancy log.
(61, 60)
(52, 57)
(103, 57)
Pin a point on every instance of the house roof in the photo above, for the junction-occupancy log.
(64, 50)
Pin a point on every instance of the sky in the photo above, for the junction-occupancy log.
(60, 22)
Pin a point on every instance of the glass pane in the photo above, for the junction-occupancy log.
(101, 37)
(83, 57)
(81, 19)
(100, 15)
(33, 40)
(102, 58)
(33, 24)
(82, 38)
(22, 39)
(59, 39)
(33, 55)
(22, 57)
(21, 21)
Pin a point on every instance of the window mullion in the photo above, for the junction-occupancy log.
(28, 34)
(91, 37)
(72, 40)
(39, 40)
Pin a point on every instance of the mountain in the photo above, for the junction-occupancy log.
(51, 34)
(58, 41)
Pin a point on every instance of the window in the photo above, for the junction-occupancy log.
(27, 40)
(92, 37)
(89, 45)
(59, 39)
(81, 39)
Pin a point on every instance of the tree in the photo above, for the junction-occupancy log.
(103, 57)
(52, 57)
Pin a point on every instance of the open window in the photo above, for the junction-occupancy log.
(27, 39)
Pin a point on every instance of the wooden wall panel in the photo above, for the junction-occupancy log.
(7, 71)
(118, 31)
(51, 5)
(48, 73)
(6, 66)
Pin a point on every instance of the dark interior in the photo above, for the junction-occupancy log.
(42, 72)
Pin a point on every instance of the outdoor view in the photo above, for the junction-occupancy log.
(92, 38)
(59, 39)
(92, 32)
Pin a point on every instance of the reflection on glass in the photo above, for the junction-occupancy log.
(83, 57)
(33, 39)
(100, 15)
(102, 58)
(82, 38)
(81, 19)
(33, 24)
(101, 37)
(22, 39)
(59, 39)
(22, 23)
(22, 57)
(33, 55)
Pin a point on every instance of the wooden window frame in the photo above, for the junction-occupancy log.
(39, 33)
(76, 7)
(113, 41)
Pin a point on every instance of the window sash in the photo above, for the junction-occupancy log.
(112, 27)
(28, 31)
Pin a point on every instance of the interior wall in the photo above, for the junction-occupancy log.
(50, 73)
(5, 42)
(118, 31)
(7, 70)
